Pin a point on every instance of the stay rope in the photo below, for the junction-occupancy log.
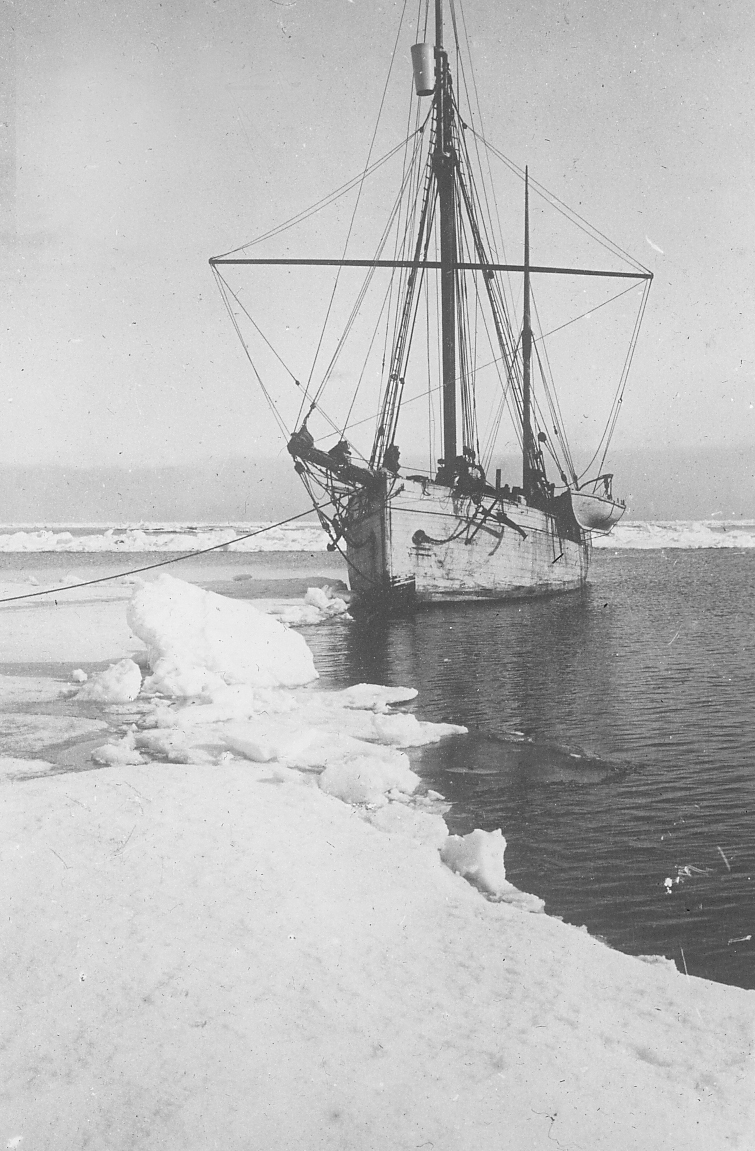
(353, 216)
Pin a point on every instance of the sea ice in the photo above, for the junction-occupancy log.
(120, 751)
(374, 697)
(479, 858)
(120, 683)
(367, 779)
(400, 819)
(407, 731)
(21, 731)
(37, 689)
(198, 640)
(12, 768)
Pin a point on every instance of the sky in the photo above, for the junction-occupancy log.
(140, 139)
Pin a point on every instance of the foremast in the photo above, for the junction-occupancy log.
(444, 165)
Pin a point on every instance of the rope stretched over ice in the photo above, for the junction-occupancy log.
(162, 563)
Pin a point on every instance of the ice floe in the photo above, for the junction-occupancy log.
(225, 680)
(120, 683)
(197, 640)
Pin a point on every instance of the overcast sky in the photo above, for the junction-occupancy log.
(141, 138)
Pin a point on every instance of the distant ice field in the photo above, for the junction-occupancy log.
(308, 536)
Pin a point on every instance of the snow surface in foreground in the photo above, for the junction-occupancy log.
(217, 951)
(309, 537)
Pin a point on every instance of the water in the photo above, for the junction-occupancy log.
(612, 737)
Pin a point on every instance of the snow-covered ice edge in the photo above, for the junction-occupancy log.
(227, 680)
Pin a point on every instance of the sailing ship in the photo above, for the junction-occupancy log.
(450, 531)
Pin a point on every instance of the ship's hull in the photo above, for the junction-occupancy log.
(411, 542)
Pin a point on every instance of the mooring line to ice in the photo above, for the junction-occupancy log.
(163, 563)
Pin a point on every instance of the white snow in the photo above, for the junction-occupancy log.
(373, 697)
(479, 857)
(119, 751)
(19, 731)
(368, 779)
(120, 683)
(197, 640)
(12, 767)
(206, 947)
(38, 689)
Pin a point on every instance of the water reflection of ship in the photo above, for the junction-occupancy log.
(543, 668)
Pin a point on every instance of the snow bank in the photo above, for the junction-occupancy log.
(197, 640)
(479, 857)
(203, 959)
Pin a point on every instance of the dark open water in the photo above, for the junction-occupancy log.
(612, 737)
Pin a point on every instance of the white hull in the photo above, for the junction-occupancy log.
(425, 544)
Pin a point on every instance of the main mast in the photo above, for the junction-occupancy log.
(444, 162)
(527, 452)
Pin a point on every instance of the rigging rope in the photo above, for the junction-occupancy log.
(356, 206)
(563, 208)
(325, 202)
(627, 366)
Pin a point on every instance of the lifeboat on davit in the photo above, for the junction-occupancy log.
(596, 511)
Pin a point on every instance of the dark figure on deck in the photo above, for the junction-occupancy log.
(341, 452)
(391, 459)
(506, 492)
(444, 473)
(470, 475)
(301, 441)
(461, 469)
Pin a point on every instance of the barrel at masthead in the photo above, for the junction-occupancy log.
(423, 62)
